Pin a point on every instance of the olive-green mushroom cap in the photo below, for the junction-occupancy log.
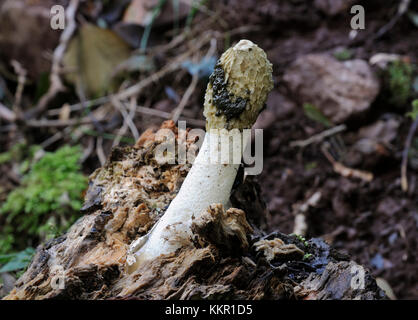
(238, 87)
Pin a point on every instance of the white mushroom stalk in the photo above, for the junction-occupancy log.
(236, 94)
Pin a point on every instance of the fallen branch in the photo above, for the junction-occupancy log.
(319, 137)
(55, 81)
(21, 80)
(346, 171)
(99, 150)
(128, 120)
(185, 99)
(137, 88)
(404, 165)
(402, 9)
(192, 86)
(6, 113)
(61, 123)
(167, 115)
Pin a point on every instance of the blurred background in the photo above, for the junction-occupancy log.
(340, 141)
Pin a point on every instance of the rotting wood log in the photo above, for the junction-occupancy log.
(229, 257)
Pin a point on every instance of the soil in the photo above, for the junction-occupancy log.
(375, 223)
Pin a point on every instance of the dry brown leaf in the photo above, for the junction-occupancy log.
(92, 57)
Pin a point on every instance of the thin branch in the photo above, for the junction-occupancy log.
(21, 80)
(137, 88)
(56, 85)
(87, 151)
(127, 123)
(402, 8)
(404, 165)
(343, 170)
(57, 136)
(61, 123)
(319, 137)
(185, 99)
(99, 150)
(167, 115)
(6, 113)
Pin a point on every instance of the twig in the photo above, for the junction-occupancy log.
(6, 113)
(185, 99)
(167, 115)
(87, 151)
(21, 80)
(137, 88)
(127, 120)
(61, 123)
(343, 170)
(192, 86)
(99, 150)
(404, 165)
(319, 137)
(55, 137)
(402, 8)
(82, 97)
(80, 106)
(54, 78)
(140, 109)
(52, 139)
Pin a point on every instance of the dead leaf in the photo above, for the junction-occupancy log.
(92, 57)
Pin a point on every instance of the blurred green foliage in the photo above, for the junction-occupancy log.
(400, 75)
(414, 113)
(45, 204)
(316, 115)
(16, 261)
(343, 54)
(19, 152)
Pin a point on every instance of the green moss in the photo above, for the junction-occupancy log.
(6, 243)
(313, 113)
(46, 202)
(301, 239)
(307, 256)
(400, 82)
(343, 54)
(414, 113)
(19, 152)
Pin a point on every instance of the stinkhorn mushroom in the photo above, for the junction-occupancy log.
(235, 95)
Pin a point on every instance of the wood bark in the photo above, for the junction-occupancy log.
(228, 257)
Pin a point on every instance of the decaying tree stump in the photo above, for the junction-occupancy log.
(228, 257)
